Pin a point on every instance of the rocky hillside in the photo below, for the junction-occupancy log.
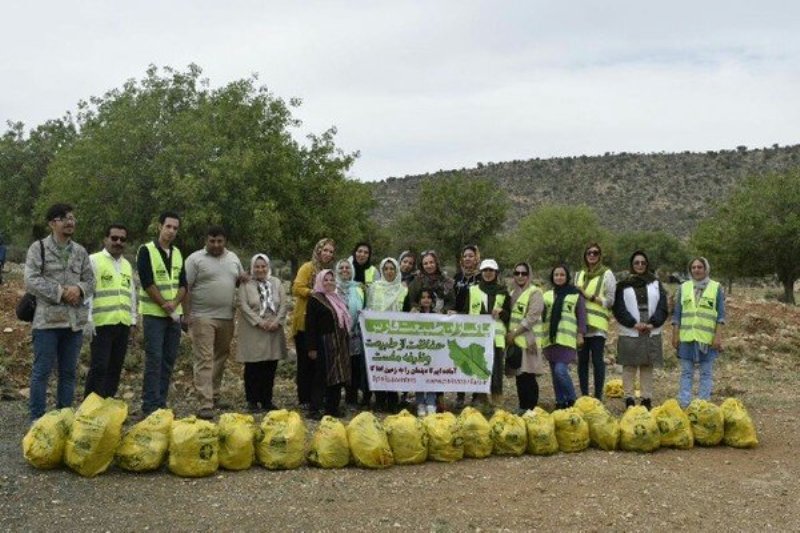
(671, 192)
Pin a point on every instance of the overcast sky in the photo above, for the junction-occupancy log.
(419, 86)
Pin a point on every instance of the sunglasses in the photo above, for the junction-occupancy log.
(593, 252)
(117, 238)
(640, 262)
(520, 273)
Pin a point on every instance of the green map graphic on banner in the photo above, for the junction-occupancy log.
(469, 360)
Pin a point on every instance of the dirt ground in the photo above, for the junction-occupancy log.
(717, 488)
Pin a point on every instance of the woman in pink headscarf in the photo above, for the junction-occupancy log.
(328, 323)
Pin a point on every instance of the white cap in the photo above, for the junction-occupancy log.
(489, 263)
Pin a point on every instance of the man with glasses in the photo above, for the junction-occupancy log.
(59, 274)
(598, 285)
(113, 313)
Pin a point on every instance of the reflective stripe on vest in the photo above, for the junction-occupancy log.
(699, 319)
(567, 333)
(518, 312)
(596, 315)
(166, 284)
(477, 302)
(111, 303)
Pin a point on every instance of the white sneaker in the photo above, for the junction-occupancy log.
(421, 410)
(431, 409)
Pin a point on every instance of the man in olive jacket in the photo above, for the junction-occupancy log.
(61, 286)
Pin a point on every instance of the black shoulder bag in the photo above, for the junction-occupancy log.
(26, 307)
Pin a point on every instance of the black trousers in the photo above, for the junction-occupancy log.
(351, 389)
(259, 380)
(305, 369)
(527, 391)
(108, 349)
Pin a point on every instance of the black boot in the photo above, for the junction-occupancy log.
(629, 402)
(646, 403)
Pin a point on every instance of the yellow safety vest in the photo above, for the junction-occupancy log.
(476, 303)
(369, 275)
(596, 315)
(699, 319)
(518, 312)
(111, 304)
(567, 333)
(167, 283)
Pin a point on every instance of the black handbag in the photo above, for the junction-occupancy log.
(26, 307)
(513, 357)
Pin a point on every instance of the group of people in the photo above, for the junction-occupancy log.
(79, 294)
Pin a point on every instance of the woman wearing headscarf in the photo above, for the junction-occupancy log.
(408, 267)
(563, 327)
(387, 294)
(697, 329)
(321, 258)
(262, 343)
(363, 269)
(527, 304)
(327, 325)
(490, 297)
(352, 293)
(597, 285)
(640, 307)
(468, 275)
(431, 277)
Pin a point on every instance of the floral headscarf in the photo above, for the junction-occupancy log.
(339, 306)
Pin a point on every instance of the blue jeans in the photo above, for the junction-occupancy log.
(687, 377)
(54, 347)
(562, 385)
(428, 398)
(162, 336)
(592, 350)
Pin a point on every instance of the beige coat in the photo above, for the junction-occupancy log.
(532, 360)
(255, 344)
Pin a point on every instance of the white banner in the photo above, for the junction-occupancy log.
(426, 352)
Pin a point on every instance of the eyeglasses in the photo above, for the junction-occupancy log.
(593, 252)
(520, 273)
(117, 238)
(640, 262)
(70, 218)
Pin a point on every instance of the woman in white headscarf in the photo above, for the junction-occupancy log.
(262, 343)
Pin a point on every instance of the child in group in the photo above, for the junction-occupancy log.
(426, 401)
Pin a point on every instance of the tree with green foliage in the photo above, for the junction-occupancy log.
(556, 234)
(756, 232)
(665, 252)
(450, 212)
(24, 163)
(218, 156)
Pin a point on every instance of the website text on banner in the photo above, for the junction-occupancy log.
(420, 352)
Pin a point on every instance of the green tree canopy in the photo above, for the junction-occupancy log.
(756, 232)
(665, 252)
(450, 212)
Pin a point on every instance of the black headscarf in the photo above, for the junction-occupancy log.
(638, 282)
(561, 292)
(358, 270)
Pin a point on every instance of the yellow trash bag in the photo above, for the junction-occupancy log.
(44, 443)
(237, 433)
(509, 433)
(95, 435)
(193, 447)
(639, 430)
(329, 447)
(144, 446)
(603, 426)
(477, 433)
(674, 425)
(613, 389)
(541, 432)
(572, 431)
(368, 442)
(739, 429)
(407, 438)
(282, 441)
(708, 424)
(445, 439)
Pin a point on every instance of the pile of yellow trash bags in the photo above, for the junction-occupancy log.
(90, 439)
